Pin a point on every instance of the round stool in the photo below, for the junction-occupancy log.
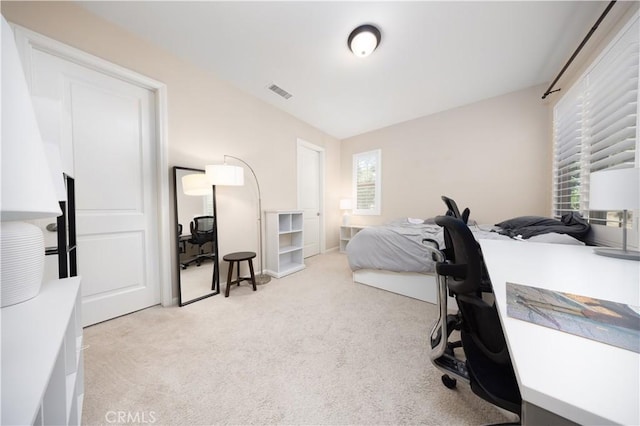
(238, 257)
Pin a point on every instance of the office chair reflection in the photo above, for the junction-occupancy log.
(202, 232)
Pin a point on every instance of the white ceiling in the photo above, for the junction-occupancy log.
(433, 56)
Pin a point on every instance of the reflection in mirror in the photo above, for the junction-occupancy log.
(196, 235)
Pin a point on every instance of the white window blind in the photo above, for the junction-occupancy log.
(596, 126)
(366, 182)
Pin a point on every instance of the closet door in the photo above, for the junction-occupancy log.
(109, 147)
(310, 178)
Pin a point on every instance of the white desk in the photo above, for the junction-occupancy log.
(580, 379)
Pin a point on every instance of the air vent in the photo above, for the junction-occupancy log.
(280, 91)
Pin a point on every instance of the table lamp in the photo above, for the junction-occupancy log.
(616, 190)
(345, 204)
(27, 189)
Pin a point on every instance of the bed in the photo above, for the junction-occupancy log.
(395, 257)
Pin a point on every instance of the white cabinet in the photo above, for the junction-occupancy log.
(284, 242)
(346, 233)
(42, 362)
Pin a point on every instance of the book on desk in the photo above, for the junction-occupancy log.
(608, 322)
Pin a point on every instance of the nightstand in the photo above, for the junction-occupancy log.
(346, 233)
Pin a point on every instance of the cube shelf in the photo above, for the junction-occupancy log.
(285, 242)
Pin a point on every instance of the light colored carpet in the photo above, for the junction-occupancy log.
(309, 348)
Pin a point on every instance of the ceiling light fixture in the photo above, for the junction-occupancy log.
(364, 40)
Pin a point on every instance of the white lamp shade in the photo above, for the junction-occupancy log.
(224, 174)
(27, 189)
(345, 204)
(614, 189)
(52, 151)
(196, 184)
(48, 115)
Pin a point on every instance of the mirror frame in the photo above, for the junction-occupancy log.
(216, 269)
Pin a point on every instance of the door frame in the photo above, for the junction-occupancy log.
(28, 40)
(320, 150)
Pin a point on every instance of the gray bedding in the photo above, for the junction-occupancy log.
(398, 246)
(393, 248)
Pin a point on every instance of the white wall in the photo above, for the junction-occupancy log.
(492, 156)
(207, 118)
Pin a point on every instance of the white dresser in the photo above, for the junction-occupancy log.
(42, 362)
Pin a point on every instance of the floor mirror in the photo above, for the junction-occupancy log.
(196, 235)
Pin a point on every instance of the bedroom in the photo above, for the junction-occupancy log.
(209, 118)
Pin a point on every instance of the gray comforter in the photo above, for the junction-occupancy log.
(398, 247)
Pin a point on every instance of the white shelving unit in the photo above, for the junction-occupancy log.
(42, 361)
(284, 242)
(346, 233)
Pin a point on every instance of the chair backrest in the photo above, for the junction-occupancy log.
(465, 278)
(202, 229)
(452, 209)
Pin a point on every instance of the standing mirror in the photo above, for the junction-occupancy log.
(196, 235)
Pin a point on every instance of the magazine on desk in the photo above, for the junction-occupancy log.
(608, 322)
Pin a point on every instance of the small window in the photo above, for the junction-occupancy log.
(366, 182)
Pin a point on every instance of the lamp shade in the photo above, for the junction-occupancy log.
(27, 189)
(614, 189)
(196, 184)
(48, 117)
(224, 174)
(345, 204)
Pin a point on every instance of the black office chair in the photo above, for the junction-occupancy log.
(181, 243)
(487, 364)
(201, 233)
(453, 210)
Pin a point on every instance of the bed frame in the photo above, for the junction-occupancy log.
(412, 284)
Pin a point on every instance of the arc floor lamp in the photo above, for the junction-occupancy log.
(228, 175)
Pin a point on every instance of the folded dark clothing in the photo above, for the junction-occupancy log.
(572, 224)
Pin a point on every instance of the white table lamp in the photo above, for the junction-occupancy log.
(27, 189)
(346, 206)
(616, 190)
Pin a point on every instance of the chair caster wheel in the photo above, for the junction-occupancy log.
(449, 382)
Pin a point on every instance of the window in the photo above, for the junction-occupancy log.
(366, 182)
(596, 127)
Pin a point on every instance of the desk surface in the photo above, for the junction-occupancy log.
(583, 380)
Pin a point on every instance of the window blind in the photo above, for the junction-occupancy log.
(366, 169)
(596, 126)
(366, 182)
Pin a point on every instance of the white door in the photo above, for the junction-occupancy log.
(310, 195)
(109, 146)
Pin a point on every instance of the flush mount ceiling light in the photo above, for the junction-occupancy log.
(364, 40)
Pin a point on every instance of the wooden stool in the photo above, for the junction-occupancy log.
(237, 258)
